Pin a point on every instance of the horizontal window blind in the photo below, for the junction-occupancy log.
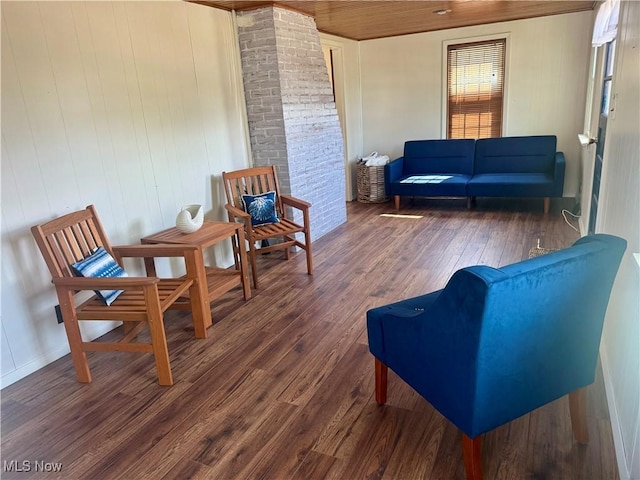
(475, 86)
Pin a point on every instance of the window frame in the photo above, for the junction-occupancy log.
(505, 92)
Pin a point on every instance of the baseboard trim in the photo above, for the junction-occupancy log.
(33, 366)
(583, 228)
(51, 356)
(623, 469)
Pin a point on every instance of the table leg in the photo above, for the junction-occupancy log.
(199, 294)
(242, 251)
(236, 251)
(150, 266)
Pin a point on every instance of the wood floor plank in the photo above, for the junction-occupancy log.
(417, 448)
(255, 443)
(283, 387)
(312, 372)
(314, 465)
(185, 468)
(123, 438)
(291, 446)
(377, 443)
(340, 436)
(207, 435)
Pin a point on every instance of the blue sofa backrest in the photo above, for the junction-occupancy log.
(538, 326)
(532, 154)
(438, 156)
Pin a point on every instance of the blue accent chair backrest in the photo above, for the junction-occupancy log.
(531, 154)
(440, 156)
(497, 343)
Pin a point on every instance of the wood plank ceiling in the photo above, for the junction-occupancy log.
(365, 20)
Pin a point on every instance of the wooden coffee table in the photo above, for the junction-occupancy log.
(218, 280)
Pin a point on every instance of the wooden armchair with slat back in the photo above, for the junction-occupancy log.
(74, 237)
(259, 181)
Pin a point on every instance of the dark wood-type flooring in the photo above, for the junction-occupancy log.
(283, 387)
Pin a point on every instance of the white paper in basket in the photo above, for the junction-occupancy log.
(375, 160)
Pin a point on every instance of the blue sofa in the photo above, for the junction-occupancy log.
(495, 344)
(488, 167)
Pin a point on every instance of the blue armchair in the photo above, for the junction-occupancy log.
(495, 344)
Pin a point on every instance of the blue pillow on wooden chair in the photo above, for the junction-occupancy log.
(262, 208)
(100, 264)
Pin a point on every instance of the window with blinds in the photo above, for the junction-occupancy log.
(475, 85)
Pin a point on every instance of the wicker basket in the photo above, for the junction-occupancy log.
(371, 184)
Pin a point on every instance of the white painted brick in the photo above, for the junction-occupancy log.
(292, 117)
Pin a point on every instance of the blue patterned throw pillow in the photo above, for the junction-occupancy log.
(262, 208)
(100, 264)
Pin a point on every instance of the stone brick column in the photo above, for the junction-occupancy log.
(293, 121)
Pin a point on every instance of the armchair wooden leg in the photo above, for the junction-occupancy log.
(472, 454)
(578, 410)
(307, 242)
(396, 200)
(309, 257)
(287, 251)
(381, 382)
(547, 204)
(78, 356)
(158, 337)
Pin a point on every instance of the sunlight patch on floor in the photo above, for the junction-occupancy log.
(400, 215)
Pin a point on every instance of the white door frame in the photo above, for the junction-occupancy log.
(591, 117)
(338, 80)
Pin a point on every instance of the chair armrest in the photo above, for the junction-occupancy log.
(236, 212)
(558, 174)
(120, 283)
(442, 325)
(393, 171)
(151, 251)
(295, 202)
(433, 341)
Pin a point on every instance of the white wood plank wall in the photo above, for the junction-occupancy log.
(546, 79)
(135, 107)
(619, 214)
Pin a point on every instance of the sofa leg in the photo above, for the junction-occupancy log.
(396, 200)
(472, 454)
(381, 382)
(547, 204)
(468, 203)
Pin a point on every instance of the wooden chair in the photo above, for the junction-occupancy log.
(72, 237)
(254, 181)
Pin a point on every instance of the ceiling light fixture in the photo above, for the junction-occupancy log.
(442, 11)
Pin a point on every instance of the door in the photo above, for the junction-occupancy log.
(605, 108)
(335, 69)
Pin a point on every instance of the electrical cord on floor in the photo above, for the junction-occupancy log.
(564, 215)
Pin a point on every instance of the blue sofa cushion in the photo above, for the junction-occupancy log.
(532, 154)
(439, 156)
(430, 184)
(511, 185)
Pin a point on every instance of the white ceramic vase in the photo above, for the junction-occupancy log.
(190, 218)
